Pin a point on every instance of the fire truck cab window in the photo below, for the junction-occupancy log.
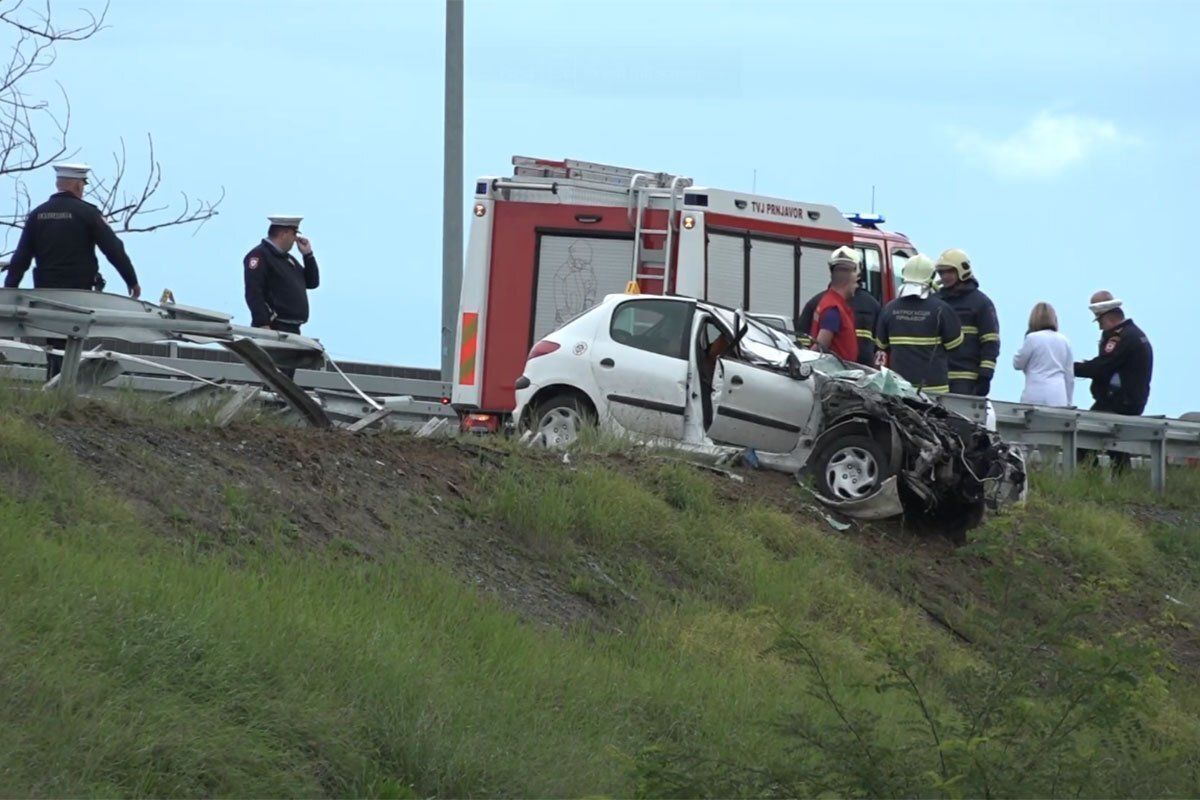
(899, 259)
(657, 326)
(872, 270)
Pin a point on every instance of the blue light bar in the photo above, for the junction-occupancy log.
(866, 220)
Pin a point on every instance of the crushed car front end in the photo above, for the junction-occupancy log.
(940, 466)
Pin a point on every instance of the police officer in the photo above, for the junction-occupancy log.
(832, 328)
(1121, 372)
(866, 313)
(277, 284)
(972, 364)
(918, 330)
(62, 235)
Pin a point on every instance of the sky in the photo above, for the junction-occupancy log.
(1053, 141)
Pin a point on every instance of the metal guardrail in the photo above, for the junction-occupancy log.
(91, 319)
(1156, 439)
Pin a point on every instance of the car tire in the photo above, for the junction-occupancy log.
(560, 419)
(849, 468)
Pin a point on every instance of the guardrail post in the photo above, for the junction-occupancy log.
(1070, 451)
(1158, 465)
(68, 376)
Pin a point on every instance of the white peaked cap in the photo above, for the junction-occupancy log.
(285, 221)
(1104, 306)
(77, 172)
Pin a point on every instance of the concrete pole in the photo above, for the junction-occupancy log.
(452, 185)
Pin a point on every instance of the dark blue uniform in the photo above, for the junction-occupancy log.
(1121, 372)
(920, 333)
(277, 287)
(974, 363)
(62, 235)
(866, 313)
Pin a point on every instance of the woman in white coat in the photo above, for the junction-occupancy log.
(1045, 358)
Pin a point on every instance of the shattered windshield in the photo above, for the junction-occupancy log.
(884, 381)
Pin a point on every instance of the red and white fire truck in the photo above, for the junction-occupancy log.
(555, 238)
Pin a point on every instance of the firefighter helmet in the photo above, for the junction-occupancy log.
(846, 255)
(956, 260)
(917, 276)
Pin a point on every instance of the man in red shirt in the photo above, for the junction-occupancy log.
(833, 323)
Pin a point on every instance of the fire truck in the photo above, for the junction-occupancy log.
(552, 240)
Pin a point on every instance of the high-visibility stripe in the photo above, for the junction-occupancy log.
(881, 344)
(987, 365)
(990, 337)
(918, 341)
(963, 376)
(804, 341)
(953, 343)
(938, 389)
(468, 348)
(863, 333)
(970, 329)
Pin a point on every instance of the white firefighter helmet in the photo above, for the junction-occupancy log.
(846, 256)
(917, 276)
(956, 260)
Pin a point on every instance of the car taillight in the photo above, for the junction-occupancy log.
(542, 348)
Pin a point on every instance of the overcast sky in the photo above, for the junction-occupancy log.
(1056, 142)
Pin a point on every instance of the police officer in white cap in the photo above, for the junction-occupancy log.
(62, 235)
(277, 284)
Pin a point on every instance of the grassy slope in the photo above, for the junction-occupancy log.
(744, 649)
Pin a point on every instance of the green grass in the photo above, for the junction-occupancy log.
(760, 654)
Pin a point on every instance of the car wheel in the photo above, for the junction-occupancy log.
(561, 419)
(849, 468)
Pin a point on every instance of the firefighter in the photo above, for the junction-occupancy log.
(918, 330)
(866, 313)
(832, 328)
(62, 235)
(974, 362)
(277, 284)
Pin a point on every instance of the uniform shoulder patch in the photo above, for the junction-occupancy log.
(1111, 344)
(252, 262)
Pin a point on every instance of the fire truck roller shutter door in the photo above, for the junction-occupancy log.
(773, 278)
(575, 273)
(726, 270)
(814, 270)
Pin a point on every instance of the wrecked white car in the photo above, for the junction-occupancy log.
(672, 369)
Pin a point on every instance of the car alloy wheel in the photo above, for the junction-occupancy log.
(852, 473)
(560, 426)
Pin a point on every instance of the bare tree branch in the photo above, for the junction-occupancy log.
(34, 131)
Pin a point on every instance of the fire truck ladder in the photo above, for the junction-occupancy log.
(644, 189)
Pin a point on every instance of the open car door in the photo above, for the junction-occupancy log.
(758, 407)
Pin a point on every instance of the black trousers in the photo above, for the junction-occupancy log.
(1120, 461)
(286, 327)
(56, 281)
(962, 387)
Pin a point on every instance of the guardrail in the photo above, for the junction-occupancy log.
(1156, 439)
(128, 352)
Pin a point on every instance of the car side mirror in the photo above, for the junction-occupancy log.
(798, 370)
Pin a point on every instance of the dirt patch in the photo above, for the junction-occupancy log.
(366, 495)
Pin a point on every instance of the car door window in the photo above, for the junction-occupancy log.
(899, 259)
(657, 326)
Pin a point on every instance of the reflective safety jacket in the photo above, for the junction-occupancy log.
(866, 313)
(845, 342)
(976, 358)
(918, 333)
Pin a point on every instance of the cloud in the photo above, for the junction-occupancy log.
(1049, 144)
